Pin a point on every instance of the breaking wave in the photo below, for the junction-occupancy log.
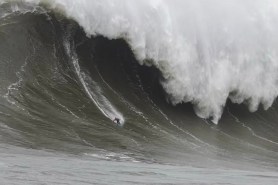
(68, 68)
(205, 53)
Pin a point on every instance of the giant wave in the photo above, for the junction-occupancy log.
(67, 68)
(206, 53)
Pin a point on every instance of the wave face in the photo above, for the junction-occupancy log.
(68, 68)
(207, 52)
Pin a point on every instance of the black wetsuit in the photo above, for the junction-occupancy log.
(117, 120)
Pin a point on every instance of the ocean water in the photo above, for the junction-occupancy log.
(193, 83)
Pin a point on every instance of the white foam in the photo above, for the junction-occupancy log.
(205, 49)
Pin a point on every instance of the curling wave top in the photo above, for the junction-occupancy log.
(207, 51)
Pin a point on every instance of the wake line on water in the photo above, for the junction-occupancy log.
(101, 102)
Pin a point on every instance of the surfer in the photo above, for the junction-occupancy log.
(117, 120)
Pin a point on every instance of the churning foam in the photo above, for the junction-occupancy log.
(207, 50)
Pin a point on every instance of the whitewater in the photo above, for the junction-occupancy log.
(207, 51)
